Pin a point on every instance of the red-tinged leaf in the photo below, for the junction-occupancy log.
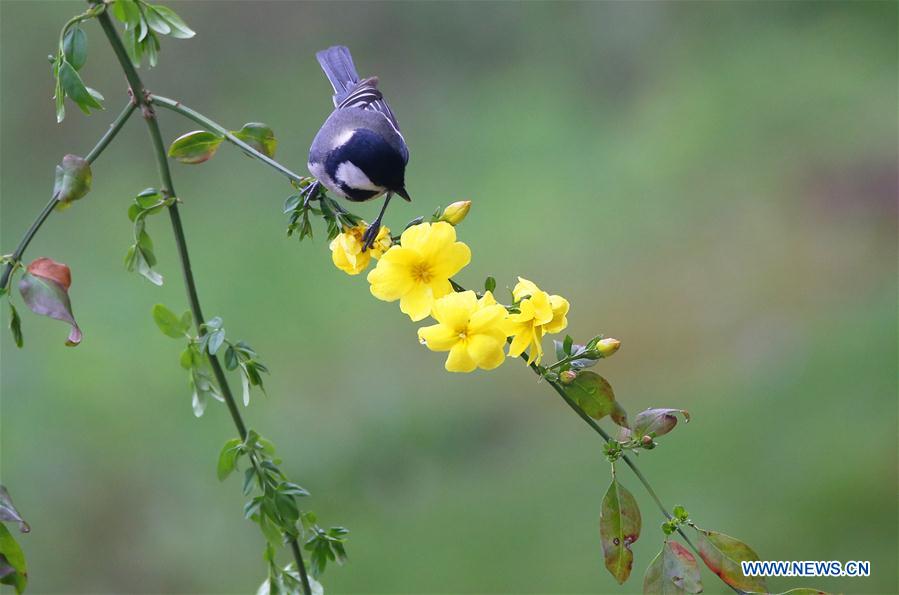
(796, 591)
(73, 180)
(723, 554)
(658, 421)
(592, 393)
(673, 571)
(619, 527)
(47, 296)
(619, 415)
(195, 147)
(50, 269)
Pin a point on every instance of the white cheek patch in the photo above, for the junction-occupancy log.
(351, 176)
(342, 138)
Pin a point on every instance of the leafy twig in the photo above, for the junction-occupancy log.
(101, 145)
(141, 97)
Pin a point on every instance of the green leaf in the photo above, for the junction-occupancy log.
(293, 489)
(146, 270)
(673, 571)
(291, 203)
(195, 147)
(75, 89)
(186, 359)
(48, 297)
(259, 136)
(227, 462)
(619, 527)
(11, 557)
(169, 323)
(723, 554)
(75, 47)
(245, 386)
(230, 358)
(59, 96)
(179, 28)
(155, 20)
(151, 49)
(127, 12)
(216, 339)
(592, 393)
(73, 180)
(145, 245)
(15, 326)
(148, 198)
(490, 284)
(198, 403)
(8, 511)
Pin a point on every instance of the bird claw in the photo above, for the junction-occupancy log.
(310, 193)
(370, 235)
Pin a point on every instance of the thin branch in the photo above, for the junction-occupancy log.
(141, 96)
(48, 208)
(212, 126)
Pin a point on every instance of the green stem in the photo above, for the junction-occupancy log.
(141, 97)
(212, 126)
(48, 208)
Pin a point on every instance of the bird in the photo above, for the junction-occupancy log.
(359, 152)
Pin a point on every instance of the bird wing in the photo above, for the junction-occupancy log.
(366, 95)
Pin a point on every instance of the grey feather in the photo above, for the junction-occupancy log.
(337, 62)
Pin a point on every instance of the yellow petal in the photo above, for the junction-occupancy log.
(486, 317)
(438, 337)
(524, 288)
(455, 309)
(439, 237)
(416, 237)
(525, 313)
(543, 311)
(535, 353)
(487, 299)
(416, 302)
(560, 308)
(401, 256)
(389, 282)
(520, 342)
(339, 257)
(441, 287)
(450, 258)
(485, 351)
(459, 360)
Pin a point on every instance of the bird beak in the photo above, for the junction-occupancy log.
(402, 192)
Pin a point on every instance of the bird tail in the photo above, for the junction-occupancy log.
(337, 62)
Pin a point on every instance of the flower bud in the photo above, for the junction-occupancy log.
(456, 212)
(567, 377)
(607, 347)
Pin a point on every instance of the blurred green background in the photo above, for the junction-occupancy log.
(712, 183)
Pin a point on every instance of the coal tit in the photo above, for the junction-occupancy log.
(359, 152)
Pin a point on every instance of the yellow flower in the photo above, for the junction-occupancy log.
(470, 329)
(417, 271)
(346, 249)
(540, 313)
